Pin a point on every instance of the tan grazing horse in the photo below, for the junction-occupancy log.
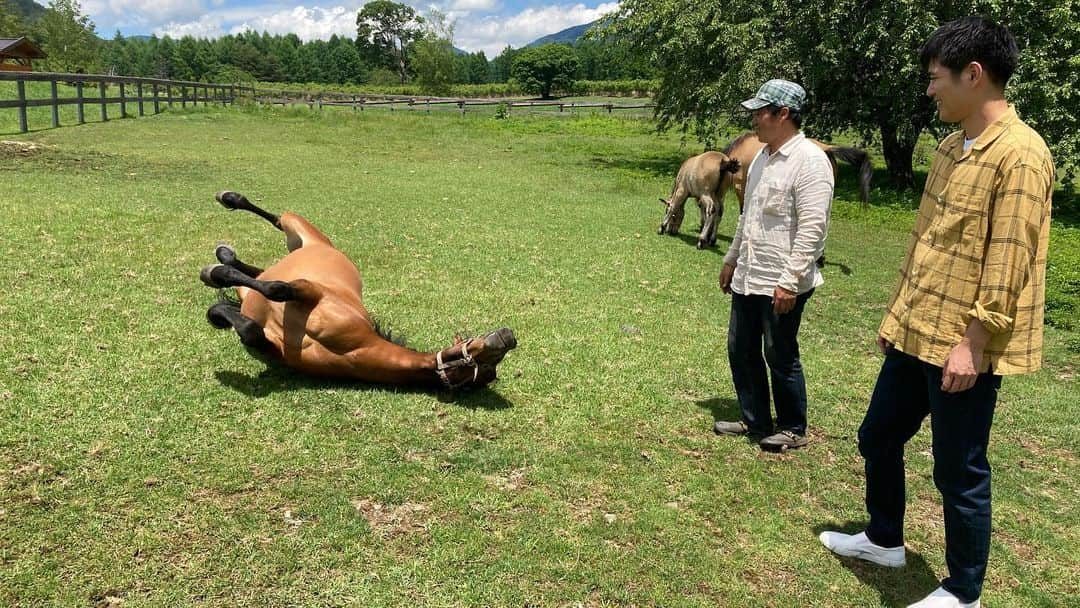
(706, 177)
(307, 312)
(747, 146)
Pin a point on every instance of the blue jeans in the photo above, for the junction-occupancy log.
(755, 328)
(907, 390)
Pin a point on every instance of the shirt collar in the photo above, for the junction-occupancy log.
(989, 134)
(788, 146)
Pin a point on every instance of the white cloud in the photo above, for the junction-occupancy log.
(144, 13)
(493, 34)
(207, 26)
(307, 23)
(473, 5)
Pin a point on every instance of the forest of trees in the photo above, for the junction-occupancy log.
(390, 37)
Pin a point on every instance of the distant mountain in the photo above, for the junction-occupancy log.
(569, 35)
(27, 9)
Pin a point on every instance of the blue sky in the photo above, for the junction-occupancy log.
(481, 25)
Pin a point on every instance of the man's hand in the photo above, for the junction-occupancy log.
(884, 345)
(725, 277)
(962, 366)
(783, 300)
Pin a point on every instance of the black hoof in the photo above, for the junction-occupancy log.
(216, 316)
(206, 275)
(225, 253)
(701, 245)
(232, 200)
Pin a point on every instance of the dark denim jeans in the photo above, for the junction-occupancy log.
(755, 328)
(907, 390)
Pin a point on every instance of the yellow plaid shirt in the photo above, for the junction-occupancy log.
(978, 251)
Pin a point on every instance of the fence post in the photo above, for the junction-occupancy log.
(157, 102)
(354, 103)
(123, 102)
(139, 90)
(21, 87)
(104, 111)
(183, 97)
(461, 106)
(609, 108)
(55, 105)
(79, 109)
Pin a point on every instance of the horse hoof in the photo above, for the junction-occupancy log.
(701, 245)
(225, 253)
(215, 317)
(231, 200)
(206, 275)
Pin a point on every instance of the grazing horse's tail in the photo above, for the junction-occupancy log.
(859, 159)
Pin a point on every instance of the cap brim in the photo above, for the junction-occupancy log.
(754, 103)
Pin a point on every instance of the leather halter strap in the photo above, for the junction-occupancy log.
(465, 360)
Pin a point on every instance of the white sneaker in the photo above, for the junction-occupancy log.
(858, 545)
(941, 598)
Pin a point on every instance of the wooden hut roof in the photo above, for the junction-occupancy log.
(21, 47)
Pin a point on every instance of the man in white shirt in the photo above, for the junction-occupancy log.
(769, 269)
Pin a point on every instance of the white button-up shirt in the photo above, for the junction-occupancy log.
(785, 220)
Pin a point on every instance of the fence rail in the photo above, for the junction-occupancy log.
(147, 91)
(156, 92)
(360, 101)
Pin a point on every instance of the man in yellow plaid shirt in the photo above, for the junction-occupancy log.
(968, 308)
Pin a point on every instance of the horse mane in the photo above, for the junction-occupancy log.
(738, 140)
(388, 334)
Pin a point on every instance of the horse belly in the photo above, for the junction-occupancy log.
(320, 264)
(312, 339)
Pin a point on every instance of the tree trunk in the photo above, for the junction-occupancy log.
(898, 153)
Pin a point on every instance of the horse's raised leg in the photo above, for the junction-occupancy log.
(220, 276)
(224, 315)
(298, 231)
(227, 255)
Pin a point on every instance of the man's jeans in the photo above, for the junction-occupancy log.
(753, 326)
(907, 390)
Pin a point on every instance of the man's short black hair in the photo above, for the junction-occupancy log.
(957, 43)
(793, 114)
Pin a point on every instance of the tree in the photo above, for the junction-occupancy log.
(384, 32)
(543, 69)
(68, 38)
(858, 61)
(433, 54)
(500, 65)
(11, 24)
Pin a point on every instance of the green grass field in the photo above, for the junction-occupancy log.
(145, 457)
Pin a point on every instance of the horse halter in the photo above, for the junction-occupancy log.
(465, 360)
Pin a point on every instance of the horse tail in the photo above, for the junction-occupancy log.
(228, 296)
(859, 159)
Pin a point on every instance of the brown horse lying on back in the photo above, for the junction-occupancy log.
(307, 312)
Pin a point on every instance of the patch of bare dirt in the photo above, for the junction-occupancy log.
(389, 521)
(13, 149)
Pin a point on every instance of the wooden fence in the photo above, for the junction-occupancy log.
(140, 92)
(360, 101)
(156, 92)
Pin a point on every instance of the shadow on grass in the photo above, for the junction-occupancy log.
(275, 379)
(896, 586)
(844, 268)
(721, 408)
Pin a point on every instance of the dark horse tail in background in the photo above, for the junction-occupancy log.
(307, 312)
